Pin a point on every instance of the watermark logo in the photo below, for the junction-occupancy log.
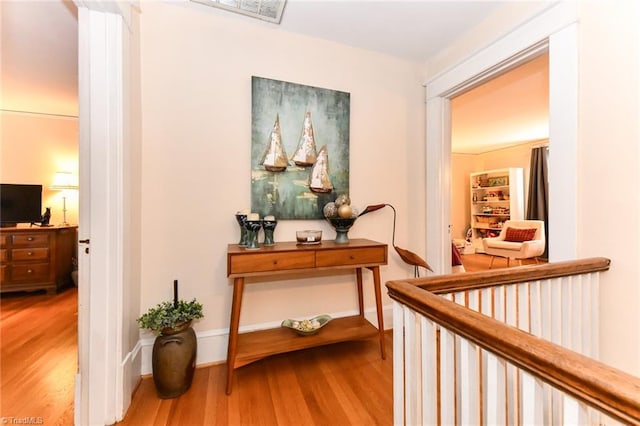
(27, 420)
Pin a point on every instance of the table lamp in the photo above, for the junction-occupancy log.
(64, 181)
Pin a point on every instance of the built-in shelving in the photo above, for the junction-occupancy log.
(496, 196)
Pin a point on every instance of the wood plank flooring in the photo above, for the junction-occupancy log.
(346, 383)
(342, 384)
(38, 357)
(480, 262)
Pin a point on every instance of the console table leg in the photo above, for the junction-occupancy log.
(360, 296)
(238, 288)
(376, 286)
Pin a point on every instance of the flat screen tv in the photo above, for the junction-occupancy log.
(20, 204)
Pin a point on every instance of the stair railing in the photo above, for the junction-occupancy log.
(509, 346)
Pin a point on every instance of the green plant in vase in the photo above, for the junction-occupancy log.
(175, 346)
(170, 317)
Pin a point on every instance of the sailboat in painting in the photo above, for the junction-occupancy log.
(319, 179)
(275, 157)
(306, 154)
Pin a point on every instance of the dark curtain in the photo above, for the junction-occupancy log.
(538, 203)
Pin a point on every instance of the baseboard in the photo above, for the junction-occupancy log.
(212, 344)
(131, 370)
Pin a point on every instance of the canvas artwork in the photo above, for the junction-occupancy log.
(299, 148)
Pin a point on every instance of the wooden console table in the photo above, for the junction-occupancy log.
(289, 257)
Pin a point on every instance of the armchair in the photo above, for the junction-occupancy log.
(518, 239)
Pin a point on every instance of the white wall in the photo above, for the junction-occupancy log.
(462, 165)
(609, 168)
(197, 64)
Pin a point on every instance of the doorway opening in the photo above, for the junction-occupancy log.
(541, 34)
(495, 126)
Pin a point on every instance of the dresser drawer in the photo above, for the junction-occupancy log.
(30, 240)
(264, 262)
(31, 272)
(3, 255)
(346, 257)
(4, 240)
(30, 254)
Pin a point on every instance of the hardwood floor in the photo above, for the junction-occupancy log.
(38, 357)
(481, 261)
(345, 384)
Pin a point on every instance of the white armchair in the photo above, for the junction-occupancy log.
(519, 242)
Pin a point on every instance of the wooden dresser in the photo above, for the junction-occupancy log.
(289, 257)
(36, 258)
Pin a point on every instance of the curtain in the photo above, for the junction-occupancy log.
(538, 202)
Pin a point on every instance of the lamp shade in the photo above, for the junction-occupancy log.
(64, 180)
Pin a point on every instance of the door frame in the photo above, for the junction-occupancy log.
(103, 33)
(554, 29)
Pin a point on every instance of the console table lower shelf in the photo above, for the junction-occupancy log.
(289, 257)
(256, 345)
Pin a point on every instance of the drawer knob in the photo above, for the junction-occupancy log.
(29, 271)
(275, 262)
(351, 257)
(29, 238)
(30, 253)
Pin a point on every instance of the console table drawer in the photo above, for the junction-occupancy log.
(357, 256)
(38, 271)
(265, 262)
(31, 240)
(30, 254)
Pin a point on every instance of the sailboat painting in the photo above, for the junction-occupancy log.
(274, 158)
(320, 180)
(311, 123)
(306, 153)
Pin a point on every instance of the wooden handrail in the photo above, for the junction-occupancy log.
(482, 279)
(613, 392)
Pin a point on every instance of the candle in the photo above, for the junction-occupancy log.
(253, 216)
(270, 217)
(175, 293)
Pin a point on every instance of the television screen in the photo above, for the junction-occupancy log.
(20, 203)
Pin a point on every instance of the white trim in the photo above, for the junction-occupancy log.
(503, 50)
(557, 25)
(212, 344)
(563, 142)
(103, 371)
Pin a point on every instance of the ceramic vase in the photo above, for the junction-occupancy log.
(174, 360)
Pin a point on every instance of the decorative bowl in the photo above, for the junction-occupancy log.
(307, 327)
(342, 226)
(308, 237)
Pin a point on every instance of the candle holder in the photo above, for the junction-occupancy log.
(253, 228)
(242, 218)
(269, 226)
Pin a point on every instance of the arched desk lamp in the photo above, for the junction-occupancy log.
(407, 256)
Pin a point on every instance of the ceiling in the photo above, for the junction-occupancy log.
(512, 108)
(39, 48)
